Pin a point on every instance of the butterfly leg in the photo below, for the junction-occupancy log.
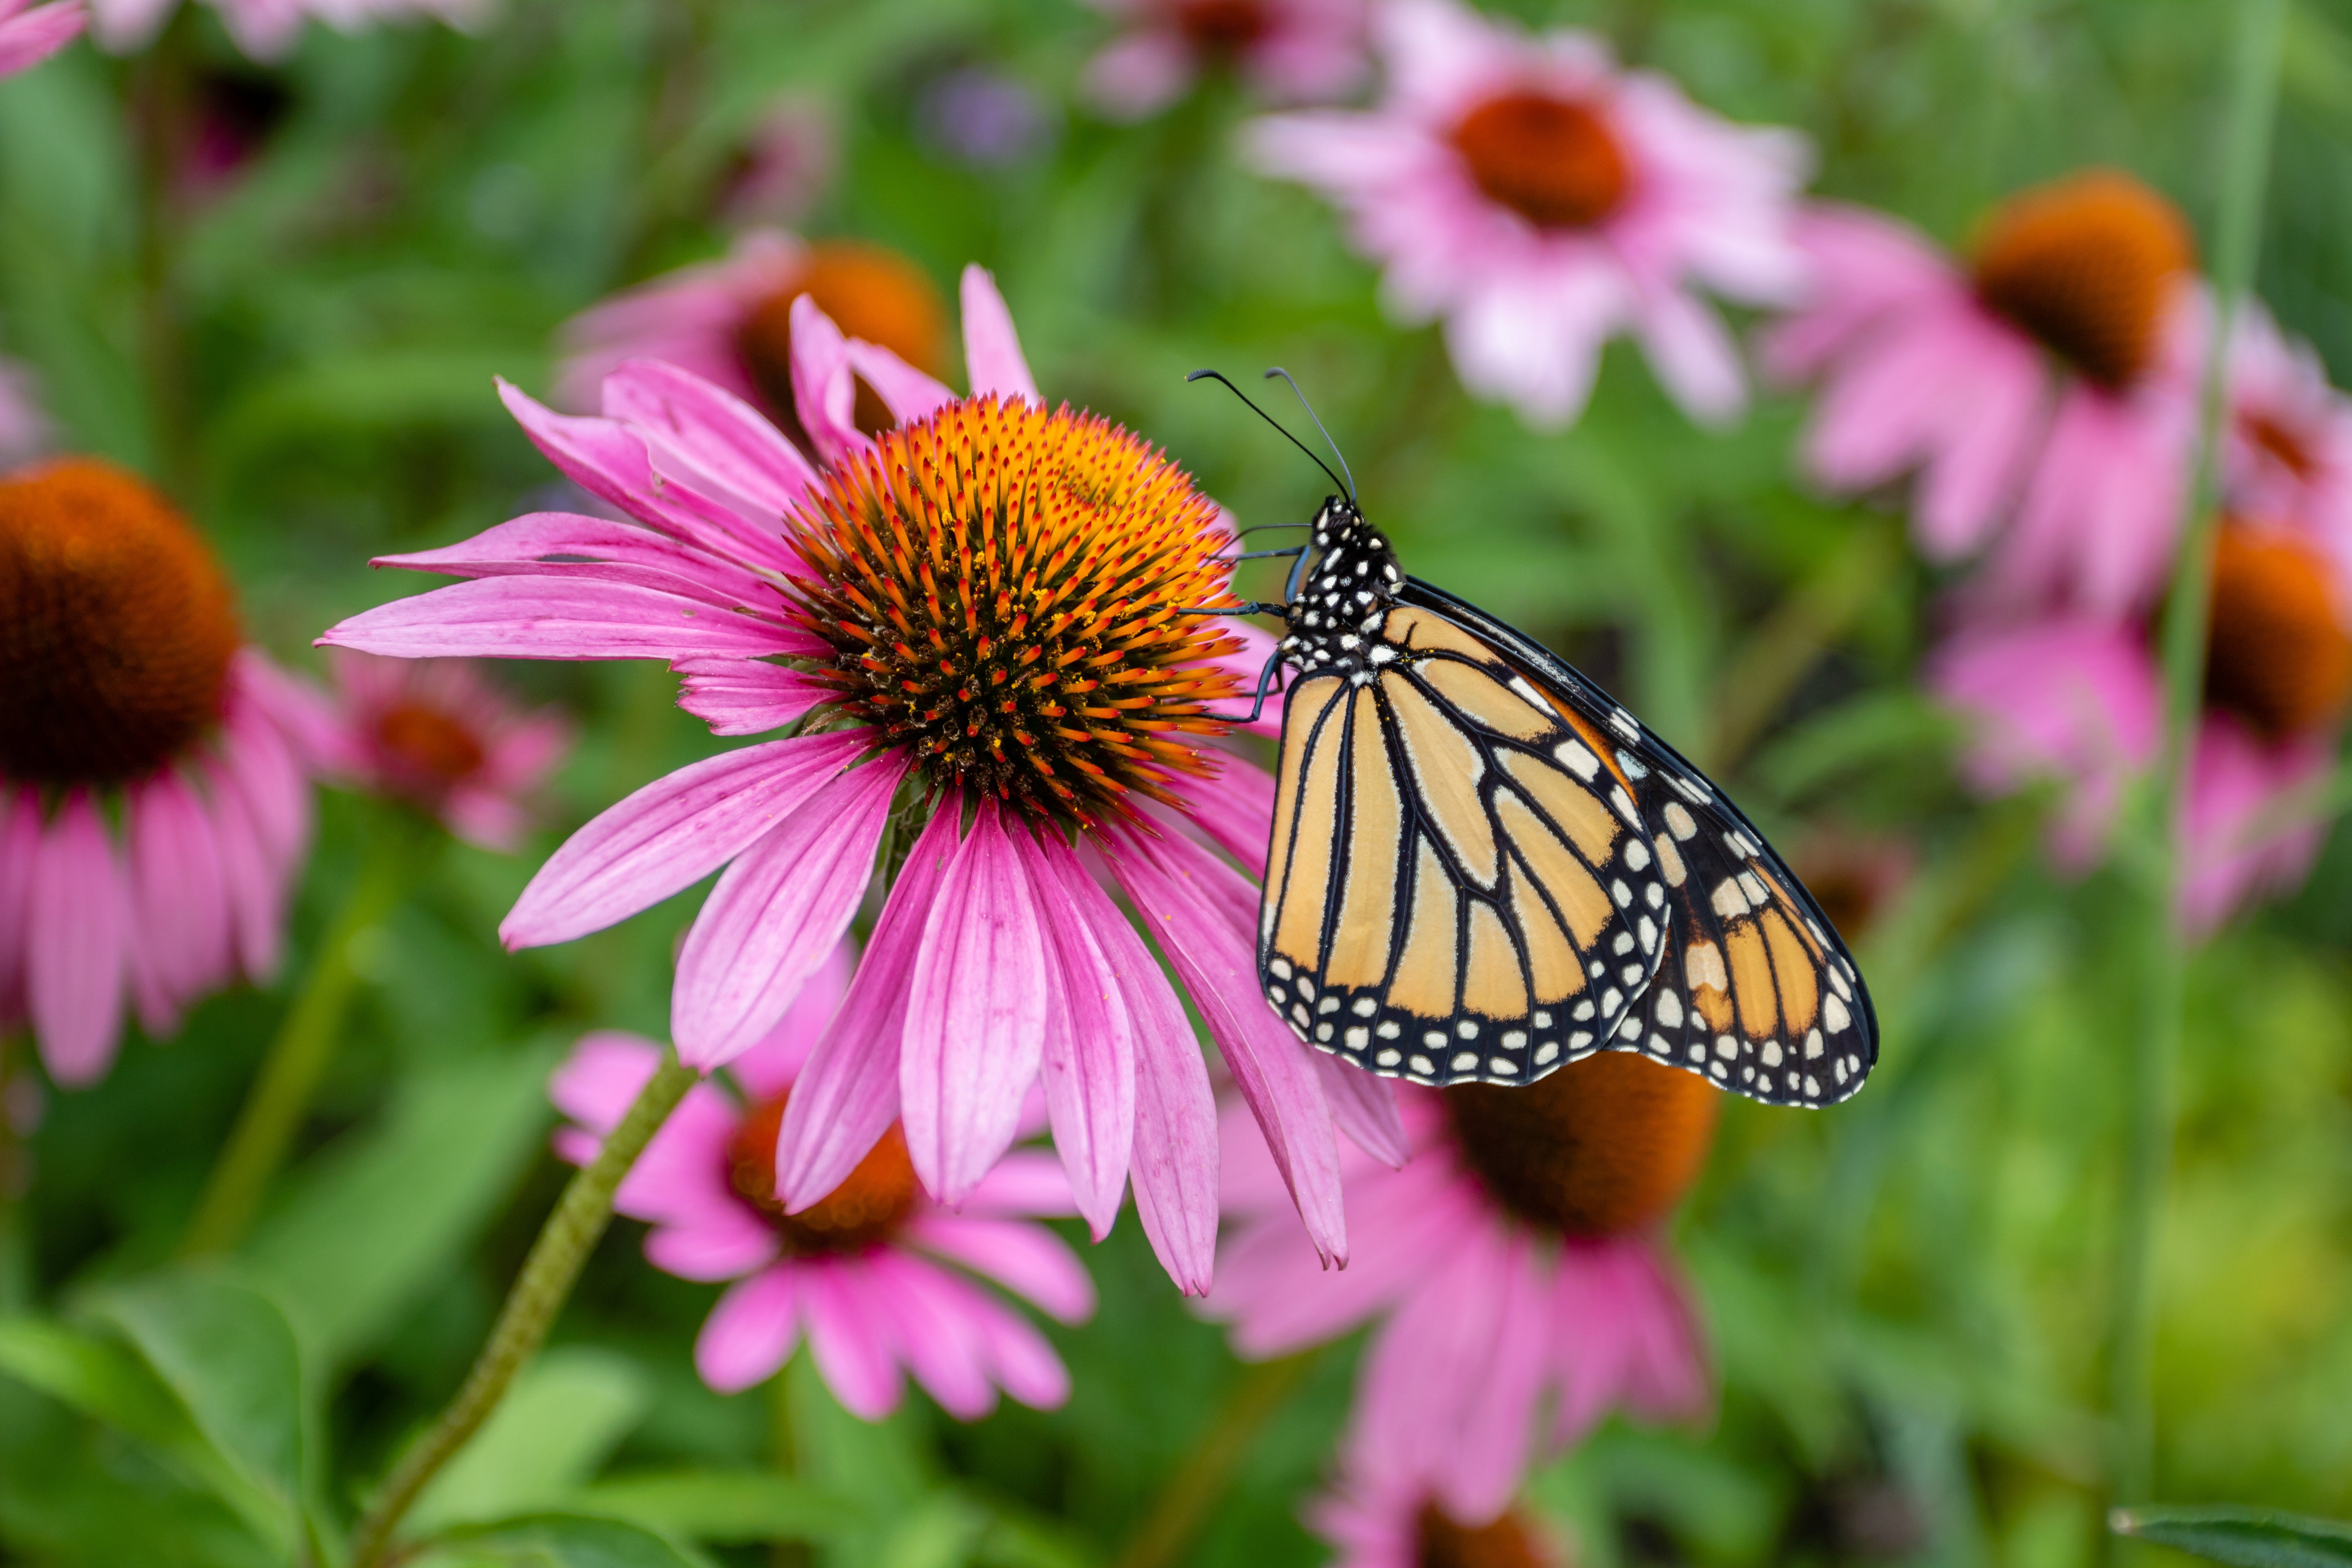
(1260, 555)
(1270, 676)
(1251, 609)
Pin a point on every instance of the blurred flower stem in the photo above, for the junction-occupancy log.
(16, 1174)
(2154, 855)
(162, 106)
(1200, 1481)
(303, 1046)
(564, 1242)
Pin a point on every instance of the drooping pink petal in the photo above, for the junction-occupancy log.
(1483, 1470)
(1023, 1364)
(256, 900)
(746, 697)
(724, 439)
(931, 1316)
(1189, 899)
(855, 1351)
(751, 1331)
(906, 392)
(553, 617)
(824, 389)
(976, 1016)
(993, 360)
(20, 845)
(672, 834)
(569, 547)
(596, 1084)
(28, 39)
(847, 1095)
(1027, 1260)
(768, 1067)
(682, 1177)
(1235, 809)
(179, 901)
(724, 1244)
(1088, 1058)
(75, 953)
(775, 915)
(1364, 1108)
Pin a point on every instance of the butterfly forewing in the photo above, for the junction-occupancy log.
(1461, 884)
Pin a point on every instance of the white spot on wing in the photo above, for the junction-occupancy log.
(1578, 758)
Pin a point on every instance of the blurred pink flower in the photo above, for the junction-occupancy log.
(25, 427)
(267, 29)
(2289, 454)
(998, 961)
(2078, 700)
(436, 734)
(30, 34)
(2050, 386)
(1289, 51)
(154, 810)
(1379, 1514)
(866, 1271)
(1512, 1269)
(1541, 201)
(784, 164)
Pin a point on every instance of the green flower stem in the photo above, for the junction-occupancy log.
(16, 1179)
(2162, 980)
(1191, 1497)
(564, 1242)
(298, 1058)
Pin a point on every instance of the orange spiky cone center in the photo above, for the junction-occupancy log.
(1505, 1541)
(1000, 586)
(116, 627)
(865, 1210)
(1603, 1147)
(870, 293)
(1552, 160)
(2085, 266)
(2278, 654)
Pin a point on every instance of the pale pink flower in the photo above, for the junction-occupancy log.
(2044, 394)
(1378, 1513)
(1540, 201)
(438, 735)
(876, 1278)
(25, 427)
(267, 29)
(30, 34)
(998, 961)
(1289, 51)
(154, 810)
(1512, 1269)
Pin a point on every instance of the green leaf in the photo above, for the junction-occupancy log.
(381, 1214)
(2245, 1537)
(729, 1506)
(562, 1417)
(560, 1540)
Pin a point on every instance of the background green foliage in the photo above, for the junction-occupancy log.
(1906, 1295)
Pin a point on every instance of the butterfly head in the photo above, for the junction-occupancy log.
(1337, 615)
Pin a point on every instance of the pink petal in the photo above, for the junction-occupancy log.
(746, 697)
(976, 1018)
(1138, 74)
(1087, 1062)
(1364, 1107)
(178, 895)
(1694, 355)
(20, 847)
(601, 1078)
(768, 1067)
(672, 834)
(1485, 1467)
(1191, 900)
(991, 349)
(906, 392)
(824, 391)
(26, 40)
(75, 950)
(855, 1351)
(931, 1315)
(1235, 809)
(567, 546)
(682, 1177)
(750, 1333)
(1027, 1260)
(1027, 1184)
(775, 915)
(722, 436)
(847, 1095)
(255, 889)
(724, 1244)
(554, 617)
(1024, 1365)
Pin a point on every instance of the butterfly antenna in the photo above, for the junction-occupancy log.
(1277, 370)
(1218, 377)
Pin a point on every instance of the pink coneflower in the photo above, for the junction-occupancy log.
(2048, 386)
(973, 619)
(152, 810)
(2288, 452)
(1541, 201)
(1289, 51)
(1513, 1269)
(731, 322)
(864, 1271)
(267, 29)
(30, 34)
(1379, 1514)
(2079, 699)
(436, 734)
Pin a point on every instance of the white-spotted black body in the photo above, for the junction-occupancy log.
(1334, 620)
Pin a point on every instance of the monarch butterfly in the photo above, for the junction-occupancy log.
(1483, 868)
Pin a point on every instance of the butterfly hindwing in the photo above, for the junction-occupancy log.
(1460, 887)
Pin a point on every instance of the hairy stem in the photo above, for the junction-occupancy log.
(564, 1242)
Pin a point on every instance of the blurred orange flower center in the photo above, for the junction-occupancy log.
(1000, 586)
(1222, 27)
(870, 293)
(2279, 656)
(1603, 1147)
(1505, 1542)
(1553, 160)
(865, 1209)
(116, 626)
(429, 743)
(2086, 267)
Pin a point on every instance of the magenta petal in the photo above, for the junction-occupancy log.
(1364, 1107)
(775, 915)
(255, 890)
(976, 1017)
(1027, 1184)
(1027, 1260)
(851, 1338)
(768, 1067)
(993, 361)
(179, 901)
(74, 950)
(847, 1095)
(20, 848)
(672, 834)
(725, 1244)
(1235, 809)
(28, 39)
(553, 617)
(932, 1314)
(1191, 899)
(1087, 1060)
(824, 390)
(746, 697)
(906, 392)
(752, 1332)
(1485, 1467)
(724, 437)
(591, 549)
(1023, 1364)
